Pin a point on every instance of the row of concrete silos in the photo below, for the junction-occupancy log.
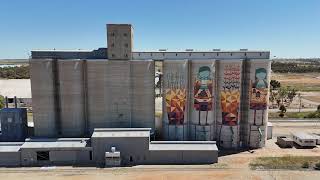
(72, 97)
(206, 100)
(221, 100)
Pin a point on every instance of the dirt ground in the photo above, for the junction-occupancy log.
(150, 174)
(286, 128)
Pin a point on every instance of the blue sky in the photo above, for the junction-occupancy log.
(288, 28)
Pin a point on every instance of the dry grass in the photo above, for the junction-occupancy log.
(300, 81)
(285, 162)
(313, 98)
(289, 114)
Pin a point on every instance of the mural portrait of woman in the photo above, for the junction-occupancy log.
(203, 92)
(259, 90)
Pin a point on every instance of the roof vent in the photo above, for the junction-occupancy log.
(113, 149)
(215, 49)
(189, 49)
(243, 49)
(162, 49)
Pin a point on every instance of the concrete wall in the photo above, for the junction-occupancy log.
(14, 125)
(71, 98)
(202, 100)
(70, 157)
(136, 147)
(175, 100)
(120, 41)
(98, 102)
(57, 157)
(8, 159)
(43, 97)
(142, 94)
(118, 94)
(228, 102)
(182, 157)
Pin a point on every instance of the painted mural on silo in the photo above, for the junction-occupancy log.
(228, 102)
(230, 94)
(259, 91)
(175, 99)
(202, 103)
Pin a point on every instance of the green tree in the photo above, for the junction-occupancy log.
(291, 94)
(283, 109)
(21, 72)
(282, 93)
(274, 84)
(2, 102)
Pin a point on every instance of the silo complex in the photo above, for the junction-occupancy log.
(43, 97)
(71, 91)
(202, 104)
(142, 93)
(206, 95)
(175, 92)
(228, 102)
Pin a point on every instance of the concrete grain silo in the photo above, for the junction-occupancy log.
(175, 100)
(228, 102)
(142, 94)
(71, 91)
(44, 97)
(202, 103)
(97, 94)
(258, 91)
(118, 107)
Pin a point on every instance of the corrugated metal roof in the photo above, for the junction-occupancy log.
(303, 135)
(183, 146)
(121, 132)
(15, 87)
(10, 146)
(55, 143)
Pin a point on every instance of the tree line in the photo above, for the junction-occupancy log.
(21, 72)
(295, 67)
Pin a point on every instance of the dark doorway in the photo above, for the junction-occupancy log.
(43, 156)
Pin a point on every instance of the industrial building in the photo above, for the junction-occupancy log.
(132, 146)
(108, 96)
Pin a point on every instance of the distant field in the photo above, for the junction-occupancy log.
(14, 61)
(301, 81)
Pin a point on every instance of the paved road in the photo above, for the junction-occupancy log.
(294, 120)
(294, 110)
